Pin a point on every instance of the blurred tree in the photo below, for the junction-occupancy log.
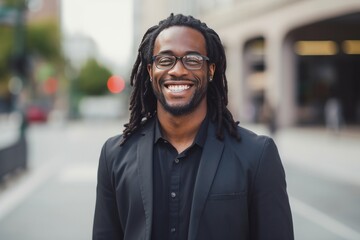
(43, 39)
(93, 78)
(6, 38)
(27, 47)
(15, 3)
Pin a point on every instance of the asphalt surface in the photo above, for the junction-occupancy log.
(54, 199)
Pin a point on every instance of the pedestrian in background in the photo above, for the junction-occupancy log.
(333, 115)
(183, 168)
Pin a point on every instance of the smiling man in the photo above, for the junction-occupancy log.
(180, 88)
(183, 168)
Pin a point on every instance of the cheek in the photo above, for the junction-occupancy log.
(202, 80)
(158, 76)
(155, 85)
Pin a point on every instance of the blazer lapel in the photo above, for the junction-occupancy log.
(145, 170)
(209, 162)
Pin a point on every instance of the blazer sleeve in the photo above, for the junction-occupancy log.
(269, 210)
(107, 224)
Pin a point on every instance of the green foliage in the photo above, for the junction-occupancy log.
(15, 3)
(93, 78)
(43, 38)
(6, 39)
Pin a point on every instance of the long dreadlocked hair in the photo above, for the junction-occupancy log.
(143, 100)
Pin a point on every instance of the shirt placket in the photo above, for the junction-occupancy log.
(174, 201)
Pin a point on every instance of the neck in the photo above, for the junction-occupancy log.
(181, 131)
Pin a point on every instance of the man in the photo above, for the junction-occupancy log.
(183, 169)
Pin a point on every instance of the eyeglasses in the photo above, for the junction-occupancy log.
(190, 61)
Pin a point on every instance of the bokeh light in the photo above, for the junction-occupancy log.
(116, 84)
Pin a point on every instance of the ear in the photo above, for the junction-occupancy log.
(149, 68)
(212, 68)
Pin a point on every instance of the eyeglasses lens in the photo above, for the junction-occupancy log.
(191, 62)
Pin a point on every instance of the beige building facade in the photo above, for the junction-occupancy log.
(286, 58)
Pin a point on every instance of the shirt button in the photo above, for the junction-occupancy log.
(177, 160)
(173, 194)
(173, 230)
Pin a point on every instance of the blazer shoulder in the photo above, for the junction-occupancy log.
(249, 137)
(113, 140)
(113, 146)
(251, 147)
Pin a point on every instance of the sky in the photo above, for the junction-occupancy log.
(107, 22)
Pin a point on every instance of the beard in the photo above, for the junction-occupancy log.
(183, 109)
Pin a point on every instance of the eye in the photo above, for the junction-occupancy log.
(164, 60)
(193, 60)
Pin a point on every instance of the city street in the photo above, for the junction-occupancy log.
(54, 199)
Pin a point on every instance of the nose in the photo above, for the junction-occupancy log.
(178, 69)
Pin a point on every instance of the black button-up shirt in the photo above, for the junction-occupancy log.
(174, 179)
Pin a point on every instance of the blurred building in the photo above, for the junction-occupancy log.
(286, 58)
(43, 10)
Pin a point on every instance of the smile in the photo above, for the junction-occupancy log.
(178, 88)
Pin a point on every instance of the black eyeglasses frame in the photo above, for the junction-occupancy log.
(204, 58)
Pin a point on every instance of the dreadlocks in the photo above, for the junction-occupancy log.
(143, 100)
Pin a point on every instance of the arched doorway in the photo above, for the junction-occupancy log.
(327, 58)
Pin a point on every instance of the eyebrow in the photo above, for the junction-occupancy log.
(169, 52)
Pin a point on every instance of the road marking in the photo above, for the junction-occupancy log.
(13, 196)
(324, 220)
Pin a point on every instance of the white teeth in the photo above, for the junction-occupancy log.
(178, 88)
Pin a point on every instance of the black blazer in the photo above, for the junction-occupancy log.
(239, 193)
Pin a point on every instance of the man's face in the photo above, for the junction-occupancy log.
(178, 89)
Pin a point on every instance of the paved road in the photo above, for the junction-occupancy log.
(55, 198)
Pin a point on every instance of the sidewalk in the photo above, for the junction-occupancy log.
(320, 151)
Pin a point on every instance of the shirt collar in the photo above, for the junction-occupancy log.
(200, 136)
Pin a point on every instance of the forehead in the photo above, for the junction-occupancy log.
(180, 40)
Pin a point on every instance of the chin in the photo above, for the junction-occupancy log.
(179, 110)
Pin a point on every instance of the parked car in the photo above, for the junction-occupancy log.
(36, 113)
